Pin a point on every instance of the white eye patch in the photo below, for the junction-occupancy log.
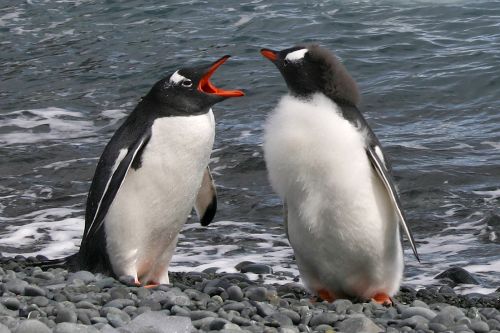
(177, 78)
(296, 55)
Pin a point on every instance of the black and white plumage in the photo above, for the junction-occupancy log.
(342, 209)
(150, 175)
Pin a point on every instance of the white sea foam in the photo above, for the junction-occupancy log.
(42, 125)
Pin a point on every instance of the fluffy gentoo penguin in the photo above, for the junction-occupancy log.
(150, 175)
(341, 205)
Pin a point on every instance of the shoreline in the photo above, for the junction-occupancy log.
(60, 301)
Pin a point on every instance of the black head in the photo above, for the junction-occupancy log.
(189, 91)
(311, 69)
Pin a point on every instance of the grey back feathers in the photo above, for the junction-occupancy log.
(338, 84)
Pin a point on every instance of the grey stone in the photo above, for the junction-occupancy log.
(341, 305)
(236, 306)
(96, 320)
(40, 301)
(417, 311)
(325, 318)
(119, 303)
(11, 303)
(358, 324)
(74, 328)
(257, 269)
(6, 312)
(65, 315)
(294, 316)
(416, 322)
(234, 293)
(85, 276)
(324, 329)
(180, 311)
(4, 329)
(278, 319)
(118, 319)
(15, 286)
(419, 304)
(256, 293)
(198, 314)
(31, 290)
(159, 322)
(479, 326)
(203, 323)
(32, 326)
(264, 309)
(107, 282)
(445, 319)
(458, 275)
(437, 327)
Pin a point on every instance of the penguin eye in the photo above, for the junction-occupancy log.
(286, 62)
(187, 83)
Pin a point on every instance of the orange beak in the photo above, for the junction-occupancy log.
(208, 87)
(269, 54)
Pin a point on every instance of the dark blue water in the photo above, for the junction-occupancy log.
(70, 71)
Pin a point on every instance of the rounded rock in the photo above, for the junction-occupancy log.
(31, 290)
(65, 315)
(479, 326)
(417, 311)
(256, 293)
(32, 326)
(234, 293)
(74, 328)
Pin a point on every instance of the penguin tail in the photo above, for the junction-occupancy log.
(71, 263)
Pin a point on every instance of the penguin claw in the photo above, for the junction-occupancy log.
(382, 298)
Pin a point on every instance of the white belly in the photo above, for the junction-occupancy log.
(341, 224)
(155, 200)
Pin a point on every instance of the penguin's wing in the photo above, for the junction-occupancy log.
(112, 179)
(376, 157)
(206, 200)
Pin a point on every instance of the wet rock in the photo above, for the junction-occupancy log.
(4, 329)
(84, 276)
(458, 275)
(65, 315)
(358, 324)
(326, 318)
(234, 293)
(74, 328)
(32, 326)
(256, 269)
(11, 303)
(159, 322)
(256, 293)
(417, 311)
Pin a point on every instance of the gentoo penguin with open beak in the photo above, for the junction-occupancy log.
(150, 175)
(341, 205)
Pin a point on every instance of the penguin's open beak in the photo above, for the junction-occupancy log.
(269, 54)
(208, 87)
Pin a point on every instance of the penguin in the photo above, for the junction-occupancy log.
(342, 210)
(150, 175)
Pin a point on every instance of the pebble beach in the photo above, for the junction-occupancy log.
(37, 301)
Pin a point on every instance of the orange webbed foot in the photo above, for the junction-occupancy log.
(382, 298)
(326, 295)
(148, 286)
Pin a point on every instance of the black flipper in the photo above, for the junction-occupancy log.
(381, 165)
(378, 164)
(206, 200)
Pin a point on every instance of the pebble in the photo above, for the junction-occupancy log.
(230, 303)
(65, 315)
(235, 293)
(32, 326)
(417, 311)
(256, 293)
